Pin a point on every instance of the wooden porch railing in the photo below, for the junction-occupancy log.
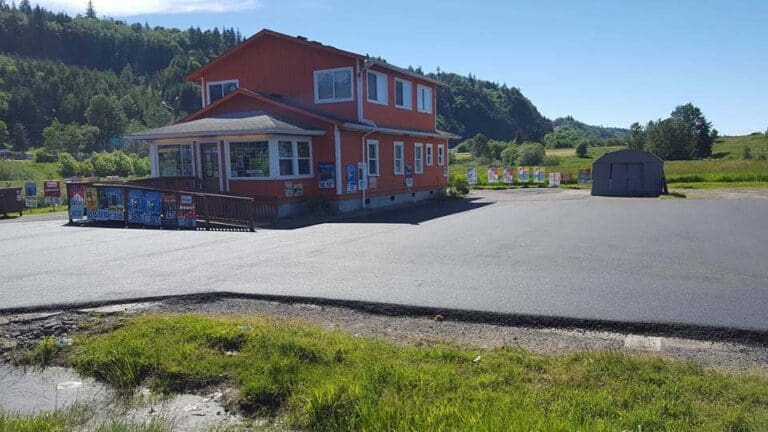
(186, 184)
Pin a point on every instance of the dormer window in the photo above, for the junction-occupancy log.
(333, 85)
(219, 89)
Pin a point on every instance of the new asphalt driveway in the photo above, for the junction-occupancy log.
(550, 253)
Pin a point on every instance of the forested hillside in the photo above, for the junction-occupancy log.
(54, 67)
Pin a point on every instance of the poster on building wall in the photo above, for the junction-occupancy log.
(298, 189)
(186, 216)
(170, 210)
(288, 189)
(538, 175)
(522, 174)
(472, 175)
(135, 206)
(351, 170)
(554, 179)
(373, 182)
(76, 199)
(362, 178)
(52, 191)
(493, 174)
(30, 194)
(326, 175)
(585, 176)
(409, 175)
(509, 176)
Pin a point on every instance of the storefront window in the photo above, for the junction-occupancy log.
(249, 159)
(175, 160)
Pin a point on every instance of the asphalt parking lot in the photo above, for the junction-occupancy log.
(553, 253)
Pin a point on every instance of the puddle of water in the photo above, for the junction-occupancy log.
(34, 391)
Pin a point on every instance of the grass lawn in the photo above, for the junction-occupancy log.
(725, 167)
(326, 381)
(74, 418)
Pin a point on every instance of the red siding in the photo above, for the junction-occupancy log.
(276, 65)
(390, 115)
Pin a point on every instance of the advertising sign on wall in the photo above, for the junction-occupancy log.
(76, 198)
(509, 176)
(170, 210)
(144, 207)
(30, 194)
(493, 174)
(538, 175)
(91, 202)
(109, 205)
(326, 175)
(409, 175)
(351, 170)
(186, 216)
(472, 175)
(522, 174)
(585, 175)
(554, 179)
(52, 190)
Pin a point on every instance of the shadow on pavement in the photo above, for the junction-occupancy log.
(412, 214)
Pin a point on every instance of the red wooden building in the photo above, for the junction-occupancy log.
(287, 117)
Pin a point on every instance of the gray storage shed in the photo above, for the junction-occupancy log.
(628, 173)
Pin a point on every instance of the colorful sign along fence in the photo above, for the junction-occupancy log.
(142, 207)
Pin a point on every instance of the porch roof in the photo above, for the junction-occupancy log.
(240, 123)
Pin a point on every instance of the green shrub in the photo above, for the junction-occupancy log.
(68, 164)
(551, 161)
(43, 155)
(509, 155)
(531, 154)
(582, 149)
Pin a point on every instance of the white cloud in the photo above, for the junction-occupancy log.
(125, 8)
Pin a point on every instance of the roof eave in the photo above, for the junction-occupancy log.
(394, 131)
(213, 133)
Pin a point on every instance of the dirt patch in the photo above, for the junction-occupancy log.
(728, 194)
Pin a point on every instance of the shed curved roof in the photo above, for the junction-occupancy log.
(628, 154)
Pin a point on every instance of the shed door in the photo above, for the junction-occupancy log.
(635, 179)
(618, 178)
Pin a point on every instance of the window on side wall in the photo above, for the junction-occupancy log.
(373, 157)
(175, 160)
(429, 155)
(249, 159)
(219, 89)
(294, 158)
(424, 99)
(397, 156)
(333, 85)
(440, 154)
(418, 158)
(403, 94)
(377, 87)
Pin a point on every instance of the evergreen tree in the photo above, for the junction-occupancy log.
(5, 139)
(90, 12)
(105, 113)
(19, 139)
(636, 137)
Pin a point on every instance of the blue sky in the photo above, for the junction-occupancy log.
(604, 62)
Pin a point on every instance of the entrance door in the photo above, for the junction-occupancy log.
(618, 184)
(211, 167)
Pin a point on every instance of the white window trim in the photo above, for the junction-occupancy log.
(378, 157)
(402, 158)
(418, 150)
(274, 160)
(418, 97)
(209, 84)
(351, 97)
(441, 154)
(430, 155)
(409, 106)
(191, 144)
(386, 87)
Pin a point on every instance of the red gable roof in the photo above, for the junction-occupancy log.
(196, 75)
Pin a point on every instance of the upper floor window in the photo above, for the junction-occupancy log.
(403, 94)
(333, 85)
(373, 157)
(377, 87)
(219, 89)
(424, 99)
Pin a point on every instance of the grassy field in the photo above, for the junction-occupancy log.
(75, 418)
(17, 172)
(327, 381)
(725, 166)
